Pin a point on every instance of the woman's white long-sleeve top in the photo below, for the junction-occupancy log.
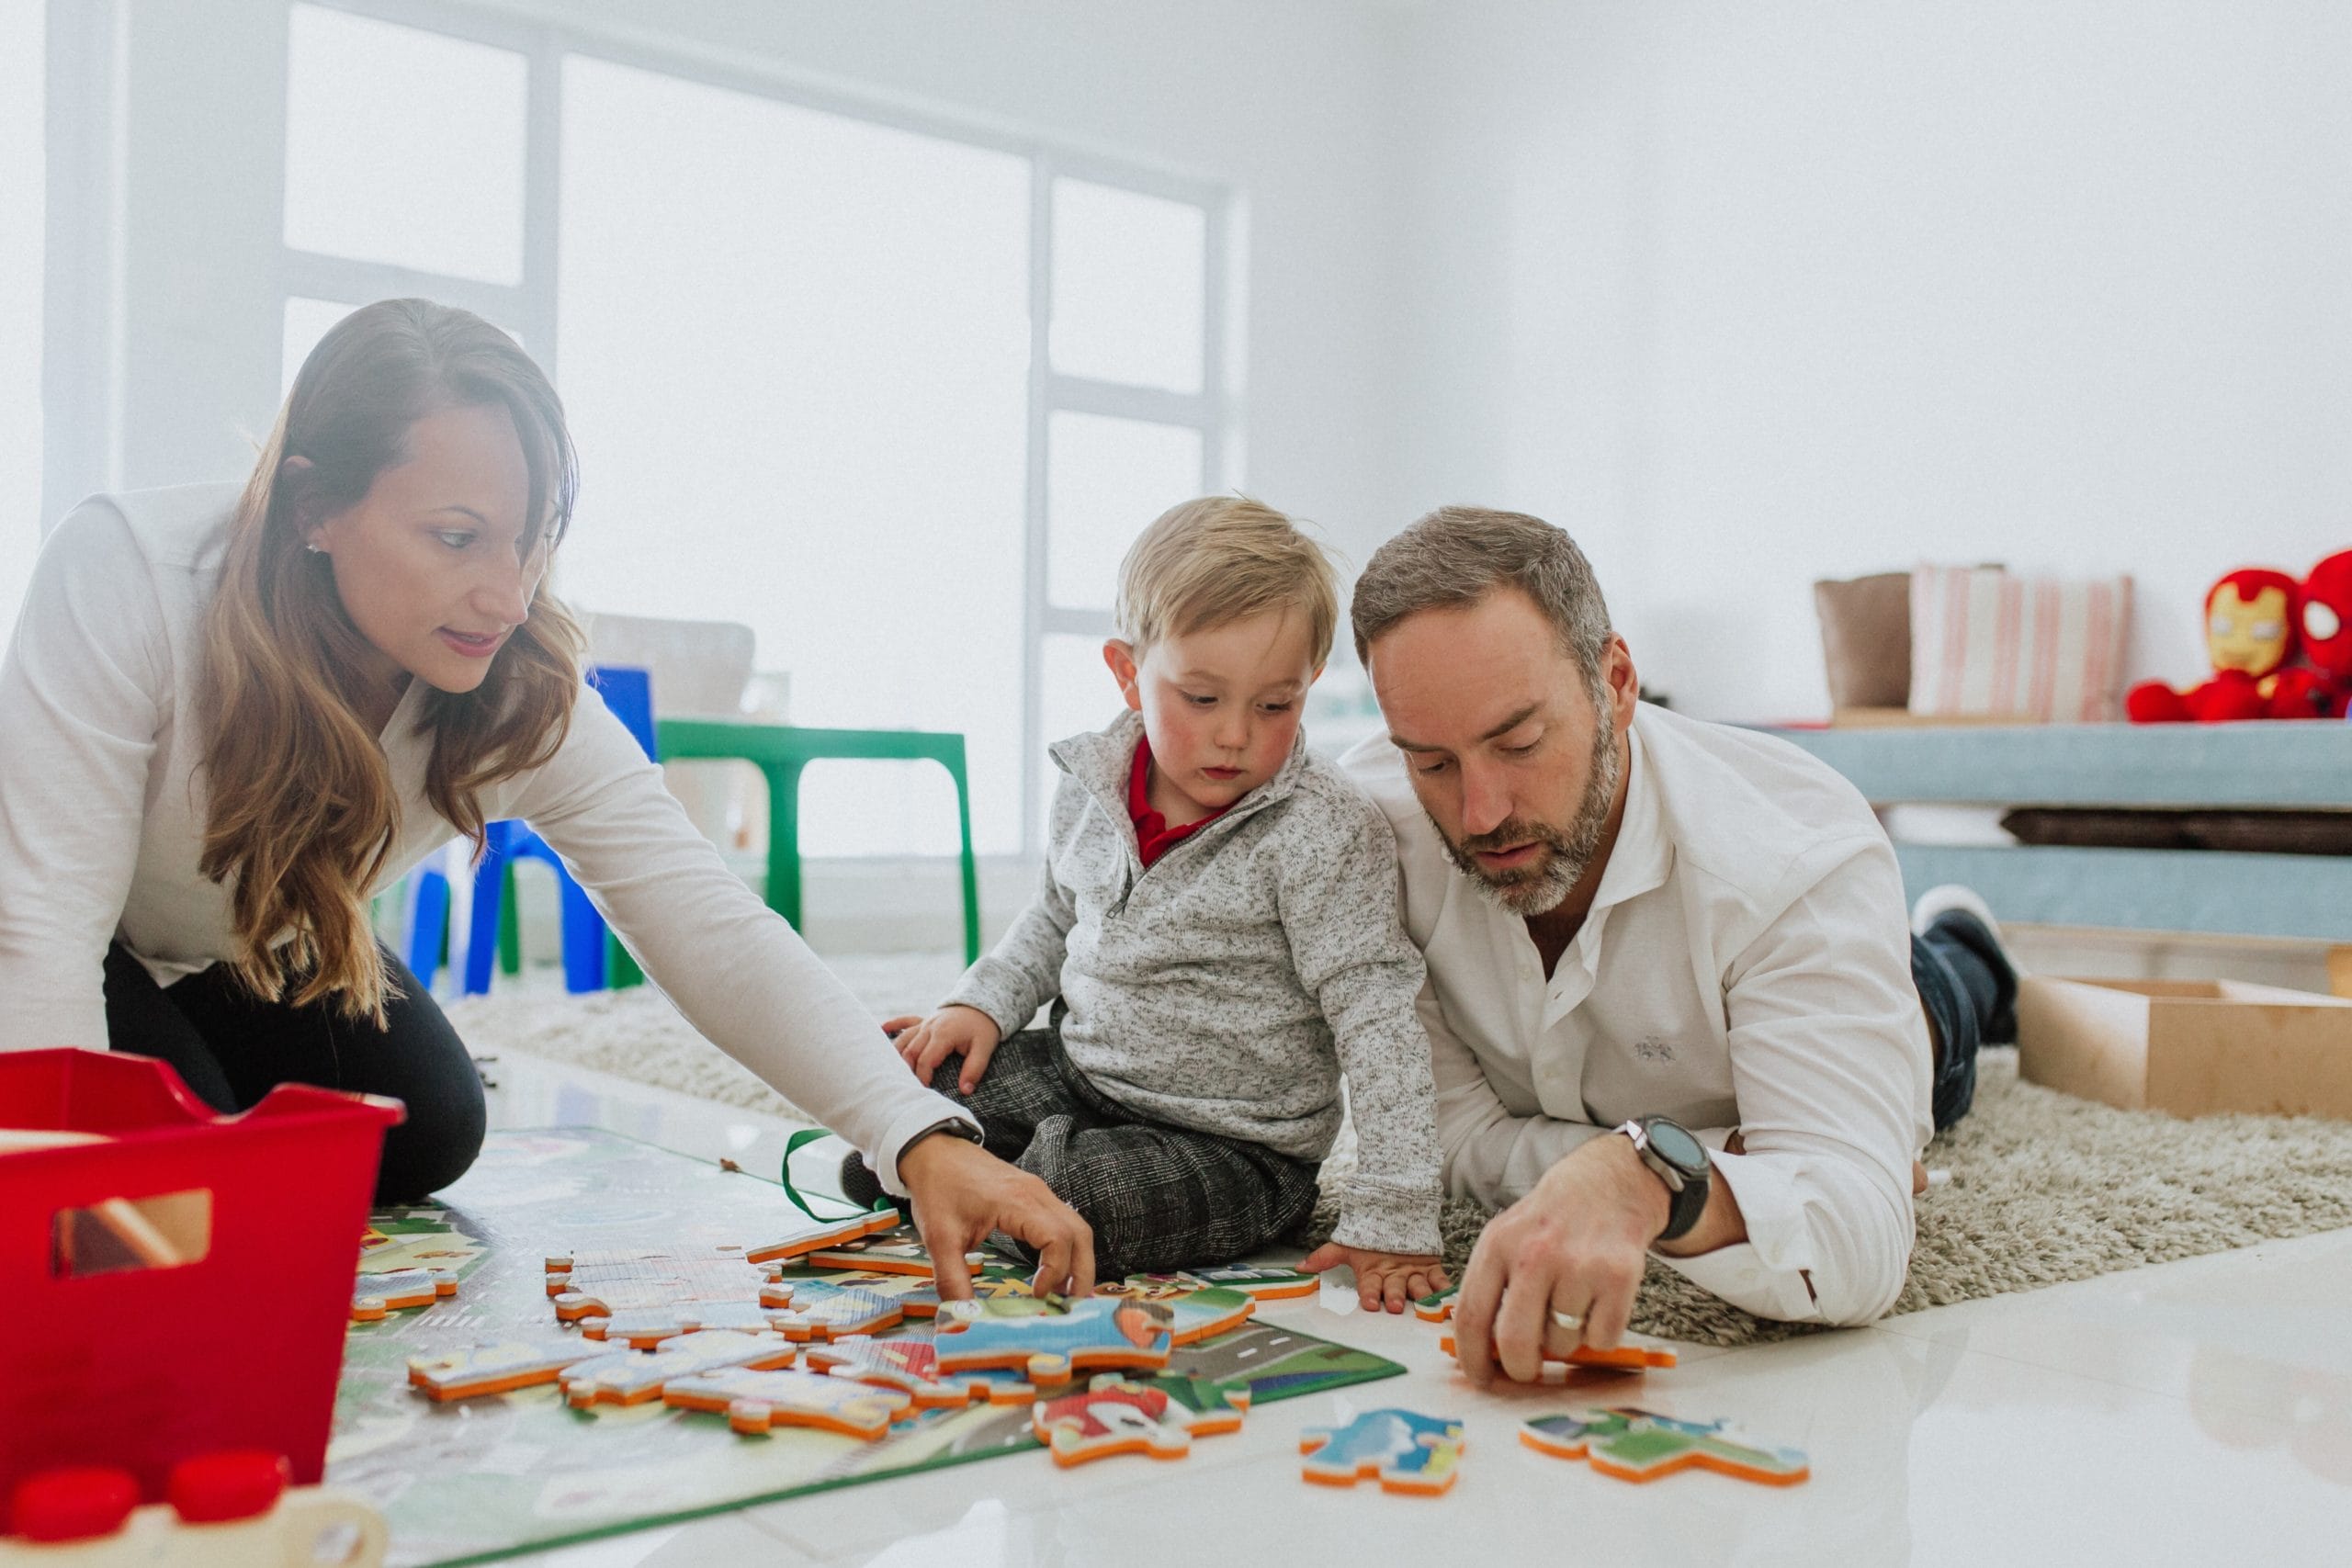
(103, 807)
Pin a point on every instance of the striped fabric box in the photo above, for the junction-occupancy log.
(2039, 649)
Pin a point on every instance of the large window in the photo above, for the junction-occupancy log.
(895, 393)
(22, 236)
(796, 350)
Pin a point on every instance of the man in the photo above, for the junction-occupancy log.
(1644, 925)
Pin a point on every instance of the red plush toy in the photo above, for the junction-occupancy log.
(2325, 619)
(2250, 619)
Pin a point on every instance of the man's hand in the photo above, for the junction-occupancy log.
(1576, 1245)
(1390, 1279)
(954, 1031)
(962, 1193)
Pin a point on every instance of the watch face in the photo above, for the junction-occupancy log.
(1676, 1146)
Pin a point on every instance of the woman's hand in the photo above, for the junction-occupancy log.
(962, 1193)
(1393, 1281)
(954, 1031)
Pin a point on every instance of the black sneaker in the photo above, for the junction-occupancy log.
(860, 1185)
(1960, 915)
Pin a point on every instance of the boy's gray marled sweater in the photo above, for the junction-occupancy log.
(1225, 988)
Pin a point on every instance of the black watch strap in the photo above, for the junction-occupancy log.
(1682, 1164)
(1689, 1204)
(953, 1126)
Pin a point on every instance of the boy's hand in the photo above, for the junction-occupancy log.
(954, 1031)
(1390, 1281)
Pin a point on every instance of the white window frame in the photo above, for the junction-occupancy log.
(531, 306)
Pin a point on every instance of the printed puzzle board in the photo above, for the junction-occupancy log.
(478, 1479)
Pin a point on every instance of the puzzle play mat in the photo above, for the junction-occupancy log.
(471, 1480)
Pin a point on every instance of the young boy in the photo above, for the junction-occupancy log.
(1218, 923)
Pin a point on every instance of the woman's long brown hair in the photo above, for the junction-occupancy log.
(303, 809)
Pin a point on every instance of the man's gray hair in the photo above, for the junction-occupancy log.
(1458, 554)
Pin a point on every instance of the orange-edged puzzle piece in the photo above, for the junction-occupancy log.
(498, 1369)
(899, 1250)
(1100, 1333)
(819, 1311)
(632, 1377)
(916, 1294)
(604, 1282)
(1641, 1445)
(1622, 1359)
(757, 1401)
(1403, 1449)
(1160, 1416)
(1266, 1284)
(833, 1234)
(376, 1294)
(642, 1328)
(911, 1364)
(1204, 1314)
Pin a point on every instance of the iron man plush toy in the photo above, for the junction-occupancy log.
(2250, 633)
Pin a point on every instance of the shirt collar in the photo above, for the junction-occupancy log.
(1643, 854)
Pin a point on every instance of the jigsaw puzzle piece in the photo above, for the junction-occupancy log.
(762, 1401)
(993, 1283)
(644, 1328)
(592, 1266)
(899, 1250)
(598, 1284)
(1403, 1449)
(1258, 1284)
(1641, 1445)
(1101, 1333)
(1216, 1404)
(833, 1311)
(911, 1364)
(835, 1233)
(1437, 1306)
(916, 1294)
(1622, 1359)
(631, 1377)
(1203, 1313)
(1265, 1283)
(497, 1369)
(376, 1294)
(1118, 1415)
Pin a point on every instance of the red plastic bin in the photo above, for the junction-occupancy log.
(138, 1356)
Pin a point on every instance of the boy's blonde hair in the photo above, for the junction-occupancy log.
(1222, 558)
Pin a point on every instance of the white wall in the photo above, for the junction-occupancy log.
(23, 232)
(1744, 295)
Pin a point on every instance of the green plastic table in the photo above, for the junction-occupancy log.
(781, 751)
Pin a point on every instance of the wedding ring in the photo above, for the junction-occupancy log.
(1566, 1320)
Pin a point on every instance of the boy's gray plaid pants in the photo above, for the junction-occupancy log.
(1158, 1197)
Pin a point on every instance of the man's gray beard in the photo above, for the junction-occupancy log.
(1540, 891)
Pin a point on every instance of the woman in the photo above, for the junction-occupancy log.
(228, 721)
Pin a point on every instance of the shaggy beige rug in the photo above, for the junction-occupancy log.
(2044, 1188)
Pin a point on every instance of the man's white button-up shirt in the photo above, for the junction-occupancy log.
(1745, 965)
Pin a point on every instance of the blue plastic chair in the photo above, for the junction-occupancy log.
(428, 923)
(491, 930)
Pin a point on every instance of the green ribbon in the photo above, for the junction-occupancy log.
(792, 1146)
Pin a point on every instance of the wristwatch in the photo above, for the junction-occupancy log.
(1680, 1161)
(953, 1127)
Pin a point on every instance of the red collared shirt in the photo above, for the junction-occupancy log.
(1154, 836)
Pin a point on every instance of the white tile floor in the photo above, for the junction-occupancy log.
(2198, 1412)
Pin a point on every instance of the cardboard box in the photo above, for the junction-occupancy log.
(2190, 1047)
